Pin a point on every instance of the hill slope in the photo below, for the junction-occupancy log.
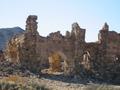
(7, 33)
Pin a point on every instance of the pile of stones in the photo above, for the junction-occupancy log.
(8, 68)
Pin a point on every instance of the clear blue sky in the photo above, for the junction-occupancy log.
(54, 15)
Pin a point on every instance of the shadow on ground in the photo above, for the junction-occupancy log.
(66, 79)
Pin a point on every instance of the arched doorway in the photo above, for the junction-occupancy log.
(86, 60)
(57, 61)
(60, 64)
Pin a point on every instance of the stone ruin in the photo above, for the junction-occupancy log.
(69, 54)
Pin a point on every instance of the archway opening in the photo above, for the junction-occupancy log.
(58, 63)
(55, 62)
(86, 60)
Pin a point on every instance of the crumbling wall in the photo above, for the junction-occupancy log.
(23, 48)
(12, 52)
(33, 50)
(107, 57)
(69, 45)
(101, 58)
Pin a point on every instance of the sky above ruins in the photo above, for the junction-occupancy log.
(54, 15)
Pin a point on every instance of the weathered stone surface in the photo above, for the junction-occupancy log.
(55, 62)
(69, 53)
(1, 56)
(23, 49)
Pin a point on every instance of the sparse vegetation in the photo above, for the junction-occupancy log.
(14, 86)
(102, 87)
(15, 82)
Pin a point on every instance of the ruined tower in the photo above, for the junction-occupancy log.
(78, 33)
(31, 37)
(103, 34)
(78, 36)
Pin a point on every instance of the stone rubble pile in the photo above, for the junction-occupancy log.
(9, 68)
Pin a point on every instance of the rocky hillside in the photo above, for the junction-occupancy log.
(7, 33)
